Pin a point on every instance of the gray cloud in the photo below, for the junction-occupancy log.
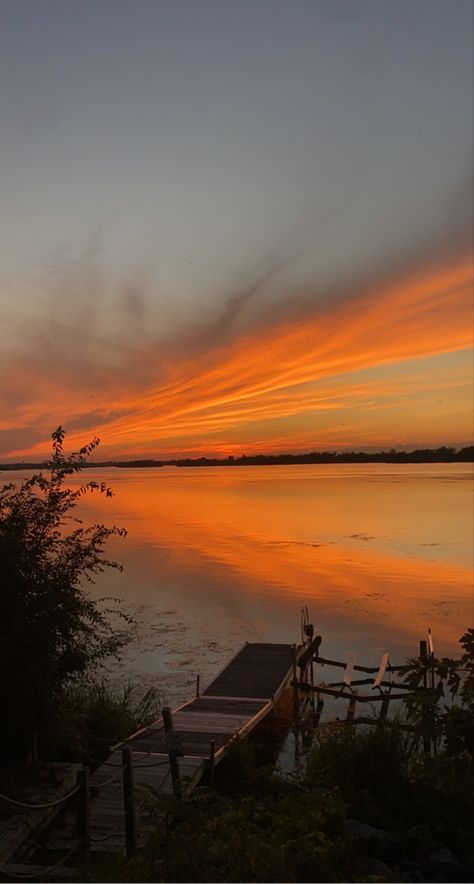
(19, 437)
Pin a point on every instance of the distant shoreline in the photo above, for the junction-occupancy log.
(443, 454)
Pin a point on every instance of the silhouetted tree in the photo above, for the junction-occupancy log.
(51, 630)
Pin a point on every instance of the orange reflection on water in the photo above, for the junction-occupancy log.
(381, 547)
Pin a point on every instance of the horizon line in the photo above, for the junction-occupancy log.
(404, 451)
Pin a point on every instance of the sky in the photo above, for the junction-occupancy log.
(235, 227)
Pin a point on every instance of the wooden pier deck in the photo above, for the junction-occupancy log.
(234, 703)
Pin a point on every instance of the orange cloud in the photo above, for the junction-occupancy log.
(294, 371)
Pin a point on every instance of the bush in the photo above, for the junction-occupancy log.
(51, 631)
(373, 770)
(92, 717)
(256, 826)
(441, 706)
(270, 830)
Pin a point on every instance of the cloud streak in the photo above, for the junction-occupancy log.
(302, 371)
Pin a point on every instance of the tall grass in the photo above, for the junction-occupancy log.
(92, 716)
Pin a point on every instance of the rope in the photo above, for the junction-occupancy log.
(43, 874)
(164, 780)
(120, 765)
(106, 782)
(105, 837)
(39, 806)
(153, 764)
(142, 755)
(100, 739)
(113, 764)
(99, 762)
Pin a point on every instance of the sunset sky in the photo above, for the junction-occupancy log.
(235, 227)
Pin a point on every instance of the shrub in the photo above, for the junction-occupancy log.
(271, 830)
(93, 716)
(372, 769)
(51, 631)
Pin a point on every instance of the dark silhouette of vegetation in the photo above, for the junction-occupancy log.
(253, 826)
(139, 463)
(52, 633)
(444, 454)
(372, 804)
(420, 455)
(92, 716)
(24, 465)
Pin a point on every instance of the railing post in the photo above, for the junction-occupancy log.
(83, 811)
(311, 666)
(129, 803)
(212, 763)
(423, 650)
(424, 658)
(295, 686)
(351, 710)
(172, 752)
(384, 710)
(319, 709)
(168, 719)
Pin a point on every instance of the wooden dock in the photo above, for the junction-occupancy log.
(176, 752)
(241, 696)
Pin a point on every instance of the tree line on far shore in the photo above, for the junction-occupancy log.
(444, 454)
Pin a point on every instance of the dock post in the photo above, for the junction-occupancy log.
(129, 803)
(351, 710)
(384, 710)
(83, 811)
(198, 686)
(272, 719)
(168, 719)
(172, 750)
(212, 763)
(423, 651)
(424, 659)
(319, 710)
(295, 687)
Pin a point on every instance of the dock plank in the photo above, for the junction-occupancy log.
(223, 705)
(256, 671)
(232, 704)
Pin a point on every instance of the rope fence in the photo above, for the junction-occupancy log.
(126, 828)
(108, 782)
(44, 806)
(153, 764)
(45, 873)
(105, 837)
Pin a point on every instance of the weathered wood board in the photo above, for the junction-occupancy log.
(232, 705)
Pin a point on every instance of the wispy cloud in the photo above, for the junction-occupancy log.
(141, 398)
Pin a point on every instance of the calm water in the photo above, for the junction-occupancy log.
(217, 557)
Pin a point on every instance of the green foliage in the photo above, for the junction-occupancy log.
(92, 717)
(373, 769)
(256, 826)
(279, 831)
(51, 631)
(441, 710)
(441, 705)
(386, 776)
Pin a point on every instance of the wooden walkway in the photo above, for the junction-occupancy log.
(236, 701)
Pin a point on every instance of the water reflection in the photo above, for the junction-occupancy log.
(216, 557)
